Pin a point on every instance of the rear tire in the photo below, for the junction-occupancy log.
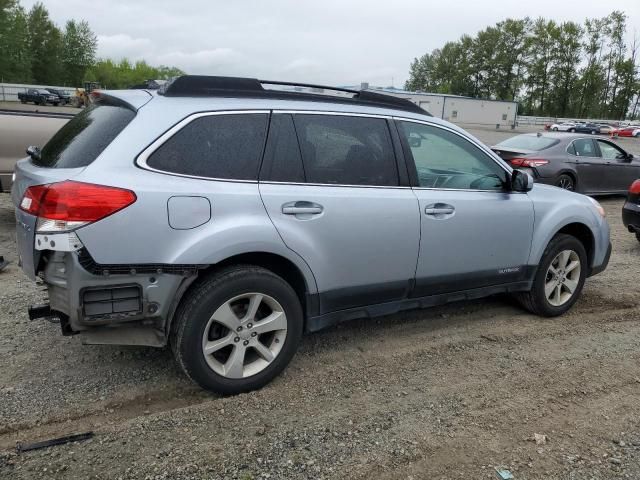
(638, 236)
(555, 129)
(249, 353)
(572, 130)
(566, 182)
(549, 296)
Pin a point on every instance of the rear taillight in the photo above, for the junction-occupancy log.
(528, 162)
(635, 187)
(68, 205)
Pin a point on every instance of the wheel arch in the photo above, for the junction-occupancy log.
(577, 229)
(301, 280)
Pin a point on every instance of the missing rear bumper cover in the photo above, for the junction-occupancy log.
(111, 302)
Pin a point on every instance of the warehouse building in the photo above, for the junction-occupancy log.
(457, 109)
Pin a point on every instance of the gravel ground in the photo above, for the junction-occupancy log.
(450, 392)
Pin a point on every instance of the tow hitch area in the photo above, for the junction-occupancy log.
(40, 311)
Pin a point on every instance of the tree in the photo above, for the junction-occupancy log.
(564, 68)
(124, 74)
(79, 45)
(16, 53)
(558, 69)
(45, 45)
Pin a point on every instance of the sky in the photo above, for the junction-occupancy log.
(323, 41)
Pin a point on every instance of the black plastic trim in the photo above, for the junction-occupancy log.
(344, 298)
(603, 266)
(486, 278)
(90, 265)
(327, 320)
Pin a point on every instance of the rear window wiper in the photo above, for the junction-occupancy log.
(34, 153)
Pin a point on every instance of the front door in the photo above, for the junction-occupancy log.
(474, 232)
(591, 167)
(621, 171)
(330, 184)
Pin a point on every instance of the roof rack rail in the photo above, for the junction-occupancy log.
(213, 86)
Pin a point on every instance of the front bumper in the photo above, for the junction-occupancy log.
(596, 269)
(631, 215)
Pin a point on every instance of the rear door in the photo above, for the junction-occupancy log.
(474, 232)
(590, 166)
(332, 187)
(621, 172)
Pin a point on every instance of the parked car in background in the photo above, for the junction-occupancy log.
(591, 128)
(573, 162)
(64, 97)
(631, 209)
(562, 127)
(632, 131)
(280, 212)
(39, 96)
(606, 129)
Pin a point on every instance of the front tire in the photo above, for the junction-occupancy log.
(237, 329)
(555, 129)
(572, 130)
(559, 279)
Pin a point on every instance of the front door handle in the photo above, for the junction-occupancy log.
(301, 208)
(439, 209)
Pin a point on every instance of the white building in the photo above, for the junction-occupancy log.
(457, 109)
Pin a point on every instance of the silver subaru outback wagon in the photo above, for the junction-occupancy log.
(227, 216)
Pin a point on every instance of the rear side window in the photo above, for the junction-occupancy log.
(215, 146)
(85, 136)
(585, 147)
(347, 150)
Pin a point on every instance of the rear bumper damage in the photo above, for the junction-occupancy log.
(125, 305)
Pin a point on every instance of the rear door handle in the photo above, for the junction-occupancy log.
(301, 208)
(437, 209)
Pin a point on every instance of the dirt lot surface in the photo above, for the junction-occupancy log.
(451, 392)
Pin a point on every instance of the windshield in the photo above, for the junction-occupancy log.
(528, 142)
(85, 136)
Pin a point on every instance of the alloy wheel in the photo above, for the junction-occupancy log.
(562, 278)
(566, 183)
(244, 335)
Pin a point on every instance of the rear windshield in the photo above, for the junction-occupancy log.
(528, 142)
(85, 136)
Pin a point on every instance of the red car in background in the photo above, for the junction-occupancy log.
(633, 131)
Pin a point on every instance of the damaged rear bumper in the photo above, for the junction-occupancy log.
(124, 305)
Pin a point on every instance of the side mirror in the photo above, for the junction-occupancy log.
(521, 181)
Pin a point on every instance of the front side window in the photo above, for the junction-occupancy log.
(585, 147)
(346, 150)
(225, 146)
(444, 159)
(609, 152)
